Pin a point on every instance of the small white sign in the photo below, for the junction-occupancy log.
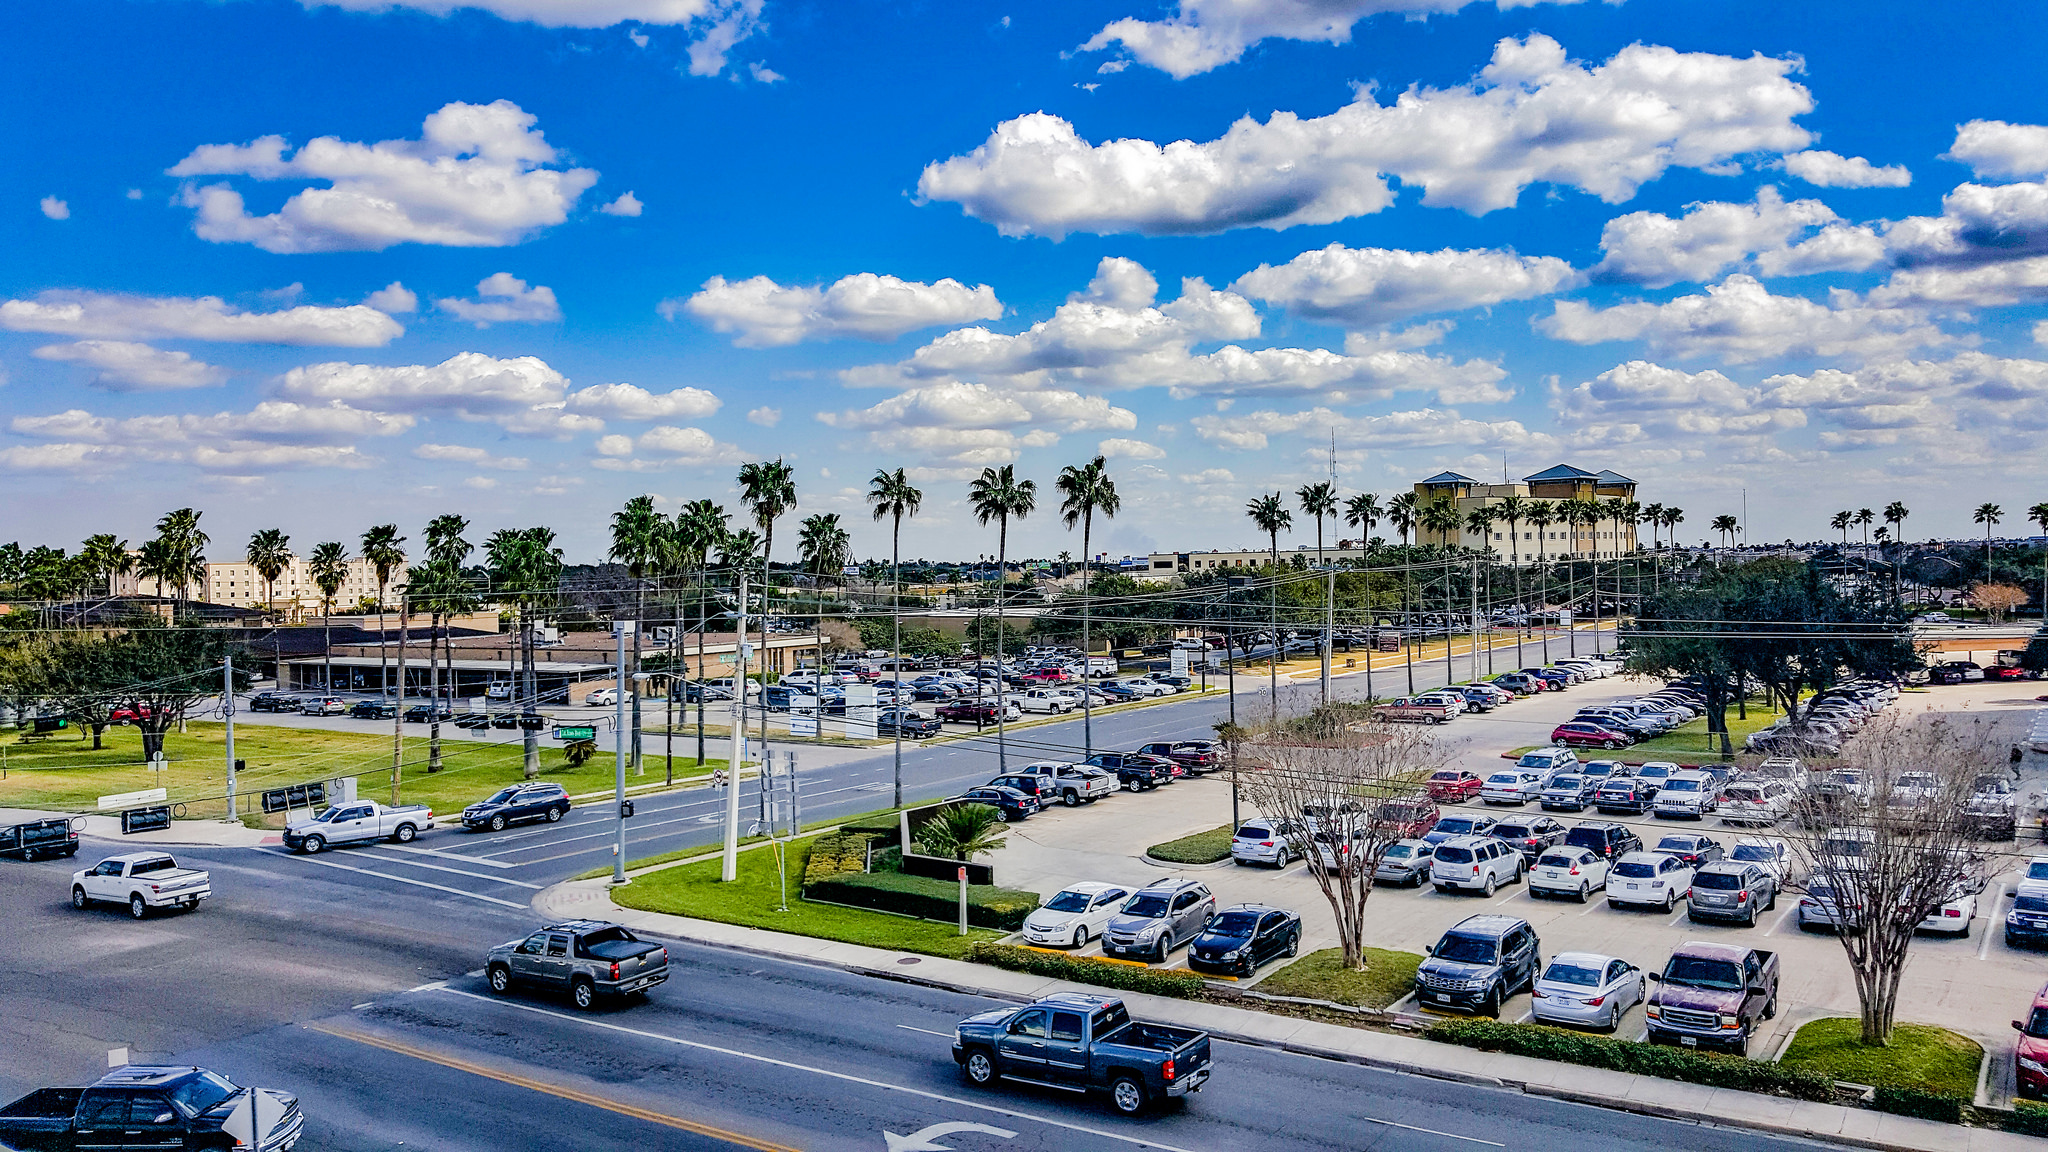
(135, 799)
(1179, 661)
(117, 1057)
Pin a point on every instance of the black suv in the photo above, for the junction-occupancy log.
(1479, 963)
(1136, 771)
(1609, 841)
(1627, 794)
(1530, 835)
(373, 710)
(517, 804)
(274, 702)
(1243, 936)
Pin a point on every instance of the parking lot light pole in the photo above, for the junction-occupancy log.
(620, 629)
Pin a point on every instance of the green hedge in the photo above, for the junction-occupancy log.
(1179, 983)
(2026, 1119)
(884, 829)
(1916, 1102)
(839, 854)
(987, 905)
(1201, 848)
(1628, 1056)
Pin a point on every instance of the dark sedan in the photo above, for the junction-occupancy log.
(1240, 938)
(1117, 693)
(1627, 794)
(1530, 837)
(423, 713)
(372, 710)
(911, 723)
(1697, 851)
(1010, 803)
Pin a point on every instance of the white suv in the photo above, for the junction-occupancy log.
(1690, 794)
(1476, 862)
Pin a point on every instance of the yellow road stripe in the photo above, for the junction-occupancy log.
(743, 1141)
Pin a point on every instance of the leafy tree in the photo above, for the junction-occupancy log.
(1988, 515)
(637, 531)
(105, 557)
(1318, 500)
(892, 496)
(161, 672)
(181, 552)
(525, 570)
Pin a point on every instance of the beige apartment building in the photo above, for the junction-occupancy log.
(237, 583)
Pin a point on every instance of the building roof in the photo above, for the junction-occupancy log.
(1610, 476)
(1561, 472)
(1450, 478)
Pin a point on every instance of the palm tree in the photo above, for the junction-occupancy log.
(1084, 491)
(1271, 515)
(328, 566)
(1653, 515)
(1988, 515)
(891, 494)
(1673, 517)
(998, 495)
(181, 549)
(963, 832)
(1840, 522)
(448, 593)
(636, 542)
(270, 553)
(1363, 512)
(1864, 518)
(823, 545)
(104, 558)
(1442, 518)
(2039, 515)
(1726, 526)
(1895, 514)
(1402, 514)
(1318, 500)
(1541, 514)
(382, 552)
(156, 563)
(768, 489)
(524, 568)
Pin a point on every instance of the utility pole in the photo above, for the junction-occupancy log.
(227, 714)
(1475, 620)
(729, 867)
(1329, 626)
(398, 716)
(619, 743)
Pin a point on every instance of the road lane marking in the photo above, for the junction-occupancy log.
(464, 857)
(562, 1091)
(456, 871)
(405, 880)
(1431, 1131)
(958, 1101)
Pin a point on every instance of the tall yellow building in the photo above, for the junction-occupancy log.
(1602, 539)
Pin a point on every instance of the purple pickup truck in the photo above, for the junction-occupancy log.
(1712, 996)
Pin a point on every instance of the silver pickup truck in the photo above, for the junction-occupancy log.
(590, 958)
(357, 822)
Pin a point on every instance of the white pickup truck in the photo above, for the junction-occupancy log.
(357, 822)
(1051, 700)
(141, 880)
(1074, 784)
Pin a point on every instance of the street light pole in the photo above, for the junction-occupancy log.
(620, 628)
(227, 715)
(729, 866)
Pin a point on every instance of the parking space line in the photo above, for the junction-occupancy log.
(456, 871)
(1673, 922)
(403, 880)
(1984, 946)
(1781, 921)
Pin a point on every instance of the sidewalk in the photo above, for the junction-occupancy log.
(1644, 1095)
(181, 833)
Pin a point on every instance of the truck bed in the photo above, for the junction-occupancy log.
(44, 1104)
(1151, 1037)
(614, 950)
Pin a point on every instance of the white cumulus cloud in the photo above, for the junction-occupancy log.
(765, 416)
(465, 454)
(476, 178)
(1973, 404)
(1531, 116)
(1419, 428)
(124, 366)
(866, 306)
(626, 205)
(276, 434)
(1380, 285)
(1998, 150)
(522, 394)
(632, 402)
(393, 297)
(109, 316)
(1739, 320)
(56, 209)
(1830, 170)
(1120, 448)
(1979, 224)
(1655, 250)
(1642, 402)
(663, 447)
(503, 298)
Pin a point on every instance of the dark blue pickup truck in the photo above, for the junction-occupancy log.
(143, 1106)
(1083, 1044)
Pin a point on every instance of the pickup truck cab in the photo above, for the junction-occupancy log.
(141, 880)
(357, 822)
(1712, 996)
(1136, 771)
(144, 1106)
(590, 958)
(1413, 709)
(1049, 700)
(1083, 1044)
(1072, 784)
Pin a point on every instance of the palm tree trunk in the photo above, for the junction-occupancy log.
(528, 692)
(1273, 607)
(767, 585)
(639, 625)
(433, 694)
(703, 626)
(327, 644)
(896, 635)
(1087, 696)
(1002, 682)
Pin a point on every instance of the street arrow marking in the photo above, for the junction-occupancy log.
(921, 1140)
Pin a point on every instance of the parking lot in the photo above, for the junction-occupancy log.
(1973, 984)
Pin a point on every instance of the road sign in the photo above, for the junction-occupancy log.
(576, 732)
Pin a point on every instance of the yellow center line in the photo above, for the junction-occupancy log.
(623, 1109)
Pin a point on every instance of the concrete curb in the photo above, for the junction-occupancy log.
(1170, 865)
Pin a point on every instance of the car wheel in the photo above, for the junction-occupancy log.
(1294, 945)
(1002, 816)
(980, 1068)
(1771, 904)
(1490, 884)
(1239, 861)
(501, 979)
(1585, 891)
(315, 845)
(405, 833)
(78, 899)
(1771, 1007)
(497, 823)
(1131, 786)
(1071, 799)
(1491, 1005)
(584, 993)
(1128, 1095)
(136, 907)
(555, 814)
(1081, 936)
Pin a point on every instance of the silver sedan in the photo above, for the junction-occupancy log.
(1586, 990)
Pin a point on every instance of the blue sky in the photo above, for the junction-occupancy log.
(1799, 250)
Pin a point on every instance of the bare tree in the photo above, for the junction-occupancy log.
(1337, 780)
(1886, 855)
(1997, 599)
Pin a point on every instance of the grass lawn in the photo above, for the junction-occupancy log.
(1388, 976)
(753, 900)
(1200, 848)
(1691, 738)
(68, 775)
(1920, 1056)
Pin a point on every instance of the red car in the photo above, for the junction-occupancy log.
(2030, 1052)
(128, 715)
(1454, 785)
(1410, 819)
(968, 712)
(1587, 733)
(2002, 672)
(1197, 756)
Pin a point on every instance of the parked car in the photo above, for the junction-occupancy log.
(1480, 699)
(1648, 879)
(1454, 785)
(978, 712)
(1408, 819)
(1460, 824)
(1549, 761)
(1011, 803)
(1414, 709)
(1479, 963)
(274, 702)
(1629, 794)
(1754, 803)
(1157, 919)
(591, 959)
(1590, 734)
(427, 713)
(1243, 936)
(1040, 788)
(1696, 850)
(1052, 701)
(1073, 784)
(1100, 1050)
(1512, 786)
(1773, 856)
(1141, 687)
(1602, 771)
(1712, 996)
(1992, 811)
(1520, 683)
(2029, 1052)
(142, 881)
(1405, 862)
(1530, 835)
(1657, 772)
(372, 710)
(1729, 890)
(1822, 906)
(609, 697)
(1586, 990)
(1262, 841)
(1566, 870)
(517, 804)
(1957, 911)
(357, 822)
(1197, 756)
(907, 722)
(1606, 840)
(1076, 915)
(1686, 794)
(1135, 771)
(324, 706)
(1569, 792)
(149, 1106)
(1480, 863)
(2026, 923)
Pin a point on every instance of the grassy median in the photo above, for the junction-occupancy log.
(1920, 1056)
(1201, 848)
(1388, 976)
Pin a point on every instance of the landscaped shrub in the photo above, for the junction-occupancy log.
(1084, 970)
(2026, 1119)
(1201, 848)
(987, 906)
(1629, 1056)
(883, 830)
(1922, 1104)
(837, 854)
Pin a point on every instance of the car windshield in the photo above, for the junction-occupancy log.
(1761, 853)
(1636, 869)
(1653, 771)
(1532, 760)
(1147, 906)
(1718, 881)
(1572, 974)
(1234, 924)
(1675, 844)
(1454, 855)
(1682, 786)
(1465, 949)
(1459, 825)
(1568, 783)
(1068, 902)
(1698, 972)
(1512, 831)
(1504, 778)
(1400, 851)
(202, 1092)
(504, 797)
